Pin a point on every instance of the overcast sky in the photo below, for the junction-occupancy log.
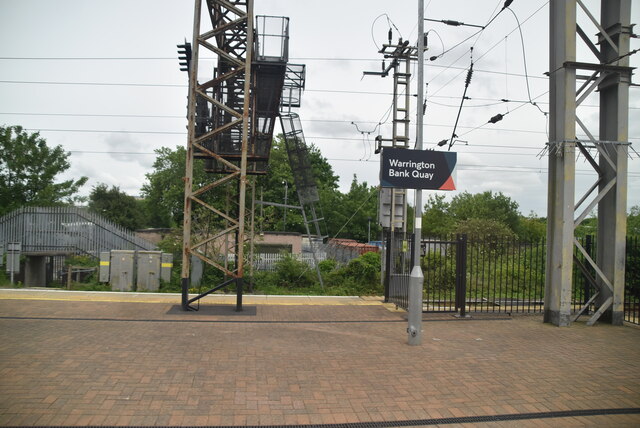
(102, 80)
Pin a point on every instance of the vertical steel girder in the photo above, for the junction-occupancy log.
(614, 126)
(561, 180)
(226, 90)
(611, 76)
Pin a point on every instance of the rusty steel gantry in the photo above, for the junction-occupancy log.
(607, 153)
(233, 105)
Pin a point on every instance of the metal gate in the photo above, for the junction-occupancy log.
(444, 265)
(397, 264)
(444, 268)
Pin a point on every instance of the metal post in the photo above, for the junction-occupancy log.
(253, 235)
(611, 76)
(286, 190)
(387, 263)
(588, 246)
(416, 281)
(614, 126)
(461, 275)
(561, 188)
(243, 158)
(12, 267)
(188, 179)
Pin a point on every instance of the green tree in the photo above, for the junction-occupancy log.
(164, 190)
(351, 215)
(483, 227)
(532, 228)
(271, 188)
(486, 205)
(117, 206)
(28, 171)
(436, 220)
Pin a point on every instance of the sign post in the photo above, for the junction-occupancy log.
(417, 169)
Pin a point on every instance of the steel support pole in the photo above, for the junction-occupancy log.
(416, 281)
(243, 159)
(188, 179)
(561, 185)
(614, 126)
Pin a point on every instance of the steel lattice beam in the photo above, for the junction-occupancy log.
(611, 76)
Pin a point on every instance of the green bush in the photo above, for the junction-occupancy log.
(292, 273)
(364, 269)
(439, 270)
(361, 276)
(327, 266)
(82, 261)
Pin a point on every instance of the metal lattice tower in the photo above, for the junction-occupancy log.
(608, 154)
(393, 202)
(232, 109)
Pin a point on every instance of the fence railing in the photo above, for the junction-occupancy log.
(491, 274)
(268, 262)
(505, 275)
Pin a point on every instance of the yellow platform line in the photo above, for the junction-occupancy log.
(125, 297)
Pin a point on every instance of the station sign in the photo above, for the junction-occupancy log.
(418, 169)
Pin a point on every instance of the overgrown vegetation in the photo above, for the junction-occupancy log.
(361, 276)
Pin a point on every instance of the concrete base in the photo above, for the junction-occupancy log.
(557, 318)
(610, 317)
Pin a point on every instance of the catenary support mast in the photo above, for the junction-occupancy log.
(610, 74)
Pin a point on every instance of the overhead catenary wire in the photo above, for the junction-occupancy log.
(355, 212)
(389, 22)
(433, 58)
(504, 114)
(464, 94)
(481, 56)
(120, 131)
(499, 116)
(524, 60)
(498, 168)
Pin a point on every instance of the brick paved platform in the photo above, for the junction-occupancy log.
(76, 362)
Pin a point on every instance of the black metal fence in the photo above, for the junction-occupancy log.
(632, 281)
(398, 264)
(488, 274)
(493, 274)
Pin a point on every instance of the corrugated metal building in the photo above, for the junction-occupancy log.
(49, 234)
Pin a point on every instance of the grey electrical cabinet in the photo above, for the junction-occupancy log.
(148, 271)
(122, 270)
(105, 266)
(14, 250)
(166, 266)
(1, 254)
